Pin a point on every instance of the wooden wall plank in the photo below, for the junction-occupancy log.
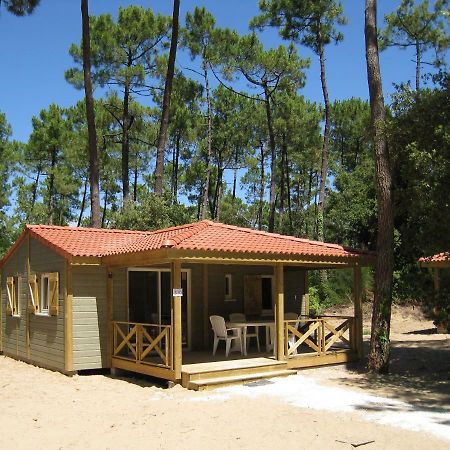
(68, 321)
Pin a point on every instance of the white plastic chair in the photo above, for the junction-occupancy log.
(240, 318)
(221, 333)
(292, 338)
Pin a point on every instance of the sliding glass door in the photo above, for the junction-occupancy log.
(150, 297)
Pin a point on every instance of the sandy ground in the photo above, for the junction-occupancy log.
(337, 407)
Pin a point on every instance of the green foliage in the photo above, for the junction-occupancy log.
(419, 137)
(123, 52)
(351, 205)
(7, 159)
(315, 305)
(201, 37)
(234, 211)
(310, 22)
(151, 213)
(338, 288)
(20, 7)
(415, 25)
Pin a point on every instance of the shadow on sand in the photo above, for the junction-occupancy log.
(419, 377)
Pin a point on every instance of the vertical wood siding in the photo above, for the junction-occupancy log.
(14, 328)
(46, 347)
(90, 318)
(47, 332)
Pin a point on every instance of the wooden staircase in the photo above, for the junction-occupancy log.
(223, 373)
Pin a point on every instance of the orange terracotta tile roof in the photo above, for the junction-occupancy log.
(438, 258)
(203, 236)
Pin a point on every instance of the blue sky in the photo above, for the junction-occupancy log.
(34, 53)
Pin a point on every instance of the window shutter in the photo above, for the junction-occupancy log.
(53, 304)
(10, 293)
(33, 303)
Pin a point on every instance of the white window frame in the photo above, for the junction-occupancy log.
(17, 295)
(228, 283)
(45, 280)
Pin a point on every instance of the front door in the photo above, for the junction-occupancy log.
(150, 297)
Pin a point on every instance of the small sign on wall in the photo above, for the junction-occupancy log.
(177, 292)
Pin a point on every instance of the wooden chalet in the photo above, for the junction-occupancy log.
(436, 263)
(79, 298)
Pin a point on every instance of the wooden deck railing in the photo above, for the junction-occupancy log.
(143, 343)
(319, 334)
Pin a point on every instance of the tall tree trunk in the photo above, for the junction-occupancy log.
(218, 193)
(235, 171)
(209, 144)
(34, 194)
(381, 317)
(51, 188)
(273, 163)
(288, 185)
(418, 62)
(83, 204)
(282, 184)
(94, 176)
(262, 182)
(162, 138)
(105, 204)
(135, 180)
(325, 146)
(126, 145)
(175, 164)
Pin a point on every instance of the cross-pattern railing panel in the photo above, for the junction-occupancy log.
(298, 332)
(143, 343)
(338, 332)
(319, 335)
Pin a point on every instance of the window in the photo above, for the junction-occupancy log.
(45, 298)
(33, 303)
(12, 286)
(228, 286)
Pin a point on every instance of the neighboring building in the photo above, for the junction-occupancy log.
(80, 298)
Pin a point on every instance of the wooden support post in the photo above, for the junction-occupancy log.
(68, 321)
(357, 298)
(436, 280)
(176, 321)
(206, 325)
(279, 312)
(110, 309)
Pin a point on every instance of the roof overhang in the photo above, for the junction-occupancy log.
(168, 255)
(435, 264)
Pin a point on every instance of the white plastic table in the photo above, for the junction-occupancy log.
(254, 323)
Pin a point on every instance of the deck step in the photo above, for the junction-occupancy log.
(215, 382)
(231, 368)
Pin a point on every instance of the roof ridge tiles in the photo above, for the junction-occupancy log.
(177, 227)
(190, 230)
